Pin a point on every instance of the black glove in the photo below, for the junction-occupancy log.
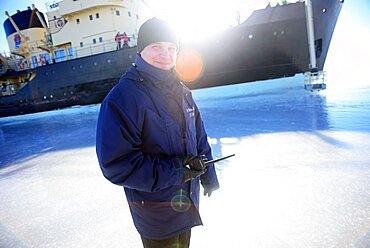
(197, 163)
(190, 174)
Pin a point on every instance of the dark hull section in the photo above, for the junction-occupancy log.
(272, 43)
(76, 82)
(326, 14)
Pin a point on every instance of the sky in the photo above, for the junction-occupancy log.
(193, 16)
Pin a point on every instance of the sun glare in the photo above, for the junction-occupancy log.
(194, 19)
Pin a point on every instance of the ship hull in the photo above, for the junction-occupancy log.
(80, 81)
(271, 43)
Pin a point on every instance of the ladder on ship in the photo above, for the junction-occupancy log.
(315, 81)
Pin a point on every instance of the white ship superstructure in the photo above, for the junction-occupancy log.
(84, 27)
(72, 29)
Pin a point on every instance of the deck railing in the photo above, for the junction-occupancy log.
(18, 63)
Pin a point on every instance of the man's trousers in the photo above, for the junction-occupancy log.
(181, 240)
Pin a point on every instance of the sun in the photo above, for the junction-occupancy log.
(194, 19)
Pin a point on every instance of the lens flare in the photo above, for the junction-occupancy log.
(189, 65)
(180, 202)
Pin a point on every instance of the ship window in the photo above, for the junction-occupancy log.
(60, 55)
(97, 15)
(323, 10)
(73, 67)
(70, 53)
(250, 36)
(80, 66)
(51, 96)
(90, 17)
(108, 61)
(129, 13)
(100, 39)
(78, 21)
(95, 63)
(34, 61)
(94, 41)
(118, 13)
(81, 44)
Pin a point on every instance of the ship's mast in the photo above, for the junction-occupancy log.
(41, 20)
(314, 79)
(310, 35)
(49, 45)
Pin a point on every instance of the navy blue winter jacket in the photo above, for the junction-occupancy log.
(147, 124)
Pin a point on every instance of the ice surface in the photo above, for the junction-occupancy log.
(300, 177)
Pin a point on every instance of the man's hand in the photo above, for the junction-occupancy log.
(196, 163)
(190, 174)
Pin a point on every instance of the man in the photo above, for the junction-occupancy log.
(150, 140)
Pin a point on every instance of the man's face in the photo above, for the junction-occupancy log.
(161, 55)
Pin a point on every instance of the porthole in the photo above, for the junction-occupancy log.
(323, 10)
(80, 66)
(44, 97)
(46, 73)
(275, 33)
(108, 61)
(250, 36)
(73, 67)
(95, 63)
(282, 32)
(51, 96)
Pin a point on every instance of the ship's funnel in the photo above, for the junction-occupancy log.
(24, 29)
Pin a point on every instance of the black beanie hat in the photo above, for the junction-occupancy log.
(155, 30)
